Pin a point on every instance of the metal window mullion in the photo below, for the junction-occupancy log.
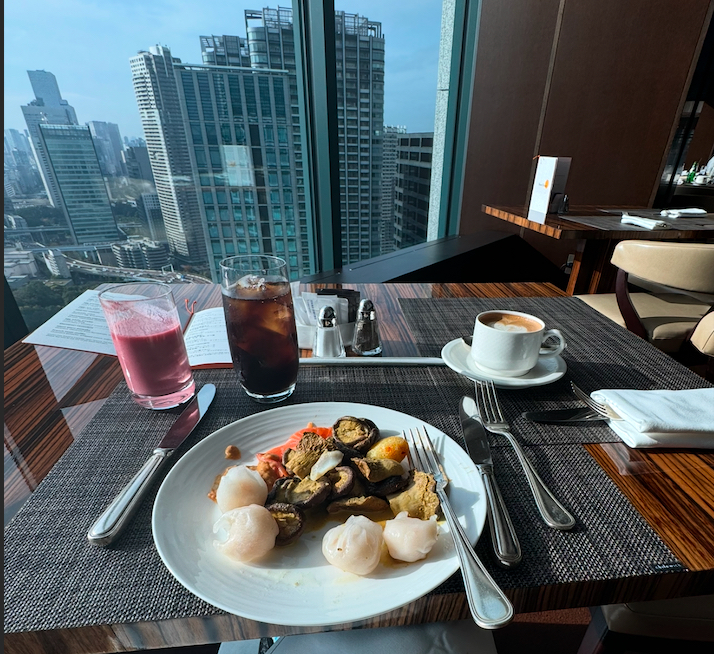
(314, 28)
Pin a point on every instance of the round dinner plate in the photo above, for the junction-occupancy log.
(456, 355)
(295, 585)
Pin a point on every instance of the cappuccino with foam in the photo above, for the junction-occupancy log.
(510, 322)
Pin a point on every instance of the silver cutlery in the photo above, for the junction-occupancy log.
(116, 516)
(553, 512)
(603, 409)
(503, 534)
(564, 416)
(489, 606)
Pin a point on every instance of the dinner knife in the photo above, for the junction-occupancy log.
(564, 415)
(116, 516)
(503, 534)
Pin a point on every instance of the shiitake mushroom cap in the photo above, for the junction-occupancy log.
(304, 493)
(354, 434)
(290, 519)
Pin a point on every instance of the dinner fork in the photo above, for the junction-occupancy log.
(600, 408)
(553, 512)
(490, 608)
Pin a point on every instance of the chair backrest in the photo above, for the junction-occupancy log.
(703, 336)
(685, 266)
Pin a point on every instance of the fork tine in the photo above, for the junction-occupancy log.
(586, 399)
(494, 401)
(482, 402)
(414, 450)
(429, 450)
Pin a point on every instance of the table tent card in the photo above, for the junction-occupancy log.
(548, 186)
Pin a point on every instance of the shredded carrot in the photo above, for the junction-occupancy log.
(325, 432)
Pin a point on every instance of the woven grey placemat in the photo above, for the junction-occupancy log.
(54, 579)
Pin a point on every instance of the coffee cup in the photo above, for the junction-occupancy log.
(509, 343)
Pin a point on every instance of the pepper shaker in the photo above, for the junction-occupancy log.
(328, 340)
(366, 336)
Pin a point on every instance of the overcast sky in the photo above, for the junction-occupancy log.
(87, 45)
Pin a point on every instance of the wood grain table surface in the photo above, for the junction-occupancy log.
(591, 270)
(50, 394)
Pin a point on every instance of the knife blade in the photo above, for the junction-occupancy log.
(564, 415)
(503, 534)
(117, 515)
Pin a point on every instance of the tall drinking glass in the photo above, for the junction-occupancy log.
(146, 330)
(260, 320)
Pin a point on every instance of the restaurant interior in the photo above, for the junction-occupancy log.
(626, 90)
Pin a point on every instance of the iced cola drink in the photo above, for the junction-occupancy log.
(260, 320)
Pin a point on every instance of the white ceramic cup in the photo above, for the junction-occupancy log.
(509, 343)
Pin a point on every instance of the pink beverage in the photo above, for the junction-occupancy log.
(146, 331)
(261, 331)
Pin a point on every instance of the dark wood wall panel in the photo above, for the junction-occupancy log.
(621, 73)
(514, 48)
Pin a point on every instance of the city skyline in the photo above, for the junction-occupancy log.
(101, 88)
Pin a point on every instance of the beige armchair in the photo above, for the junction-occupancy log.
(677, 290)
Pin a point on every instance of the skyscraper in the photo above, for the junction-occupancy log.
(74, 167)
(412, 187)
(108, 143)
(390, 143)
(47, 108)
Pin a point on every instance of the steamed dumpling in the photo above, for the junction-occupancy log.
(240, 486)
(410, 539)
(250, 532)
(354, 546)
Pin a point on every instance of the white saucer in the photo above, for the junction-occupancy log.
(457, 355)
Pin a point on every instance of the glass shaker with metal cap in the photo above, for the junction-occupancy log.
(328, 340)
(366, 336)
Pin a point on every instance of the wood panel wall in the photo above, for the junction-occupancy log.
(602, 82)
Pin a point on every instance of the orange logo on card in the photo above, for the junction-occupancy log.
(547, 182)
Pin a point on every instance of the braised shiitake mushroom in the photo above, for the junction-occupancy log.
(354, 434)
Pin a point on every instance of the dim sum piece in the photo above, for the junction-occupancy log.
(240, 486)
(354, 546)
(410, 539)
(246, 533)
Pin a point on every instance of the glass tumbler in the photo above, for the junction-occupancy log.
(260, 320)
(146, 331)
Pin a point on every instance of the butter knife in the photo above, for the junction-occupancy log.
(503, 534)
(116, 516)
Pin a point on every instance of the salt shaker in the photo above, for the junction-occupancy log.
(328, 340)
(366, 336)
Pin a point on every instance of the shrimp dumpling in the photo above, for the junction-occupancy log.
(240, 486)
(410, 539)
(251, 532)
(354, 546)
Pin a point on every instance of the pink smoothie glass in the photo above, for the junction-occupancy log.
(146, 330)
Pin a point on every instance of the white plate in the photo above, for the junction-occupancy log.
(295, 585)
(456, 355)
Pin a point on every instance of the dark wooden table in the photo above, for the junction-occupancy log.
(51, 394)
(597, 236)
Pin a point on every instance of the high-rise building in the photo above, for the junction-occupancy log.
(157, 94)
(108, 143)
(413, 183)
(225, 51)
(150, 205)
(74, 168)
(47, 108)
(390, 143)
(143, 254)
(136, 163)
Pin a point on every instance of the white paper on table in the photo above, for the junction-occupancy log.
(206, 338)
(80, 325)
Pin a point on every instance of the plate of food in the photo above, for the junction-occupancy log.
(244, 548)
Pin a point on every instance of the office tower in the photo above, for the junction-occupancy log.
(390, 142)
(137, 164)
(413, 182)
(47, 108)
(156, 88)
(143, 254)
(225, 51)
(360, 112)
(150, 205)
(108, 143)
(15, 140)
(74, 168)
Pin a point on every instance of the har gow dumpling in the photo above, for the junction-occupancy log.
(240, 486)
(249, 531)
(410, 539)
(354, 546)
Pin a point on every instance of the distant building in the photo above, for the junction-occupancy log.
(390, 143)
(20, 267)
(74, 168)
(150, 205)
(56, 263)
(142, 254)
(47, 108)
(14, 222)
(225, 51)
(412, 186)
(137, 164)
(108, 144)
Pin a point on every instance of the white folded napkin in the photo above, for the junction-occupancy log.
(673, 213)
(662, 418)
(647, 223)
